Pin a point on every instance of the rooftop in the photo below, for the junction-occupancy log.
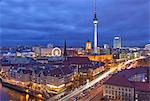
(78, 60)
(121, 79)
(61, 71)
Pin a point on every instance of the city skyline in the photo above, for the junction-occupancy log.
(40, 23)
(74, 50)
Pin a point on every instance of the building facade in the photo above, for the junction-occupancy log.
(117, 42)
(128, 85)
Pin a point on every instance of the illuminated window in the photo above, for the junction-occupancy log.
(136, 95)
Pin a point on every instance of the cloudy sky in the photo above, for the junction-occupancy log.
(30, 22)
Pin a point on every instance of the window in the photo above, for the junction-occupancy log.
(129, 95)
(136, 95)
(109, 92)
(112, 92)
(116, 92)
(119, 93)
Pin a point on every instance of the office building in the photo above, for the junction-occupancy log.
(117, 42)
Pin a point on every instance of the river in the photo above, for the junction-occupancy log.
(7, 94)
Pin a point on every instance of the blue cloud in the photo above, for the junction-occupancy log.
(40, 22)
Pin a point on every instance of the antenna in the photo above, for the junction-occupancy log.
(94, 5)
(95, 18)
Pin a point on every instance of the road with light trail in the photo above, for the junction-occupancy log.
(90, 84)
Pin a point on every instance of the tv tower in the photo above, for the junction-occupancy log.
(95, 22)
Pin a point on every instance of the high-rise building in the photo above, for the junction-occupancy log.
(88, 46)
(106, 49)
(95, 22)
(106, 46)
(117, 42)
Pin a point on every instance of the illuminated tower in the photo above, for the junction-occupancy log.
(95, 22)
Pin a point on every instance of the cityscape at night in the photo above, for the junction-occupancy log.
(74, 50)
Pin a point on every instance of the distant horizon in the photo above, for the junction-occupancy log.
(68, 45)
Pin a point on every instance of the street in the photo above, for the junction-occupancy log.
(98, 79)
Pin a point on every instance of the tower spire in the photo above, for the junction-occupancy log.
(95, 18)
(65, 50)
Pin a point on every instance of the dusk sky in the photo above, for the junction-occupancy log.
(39, 22)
